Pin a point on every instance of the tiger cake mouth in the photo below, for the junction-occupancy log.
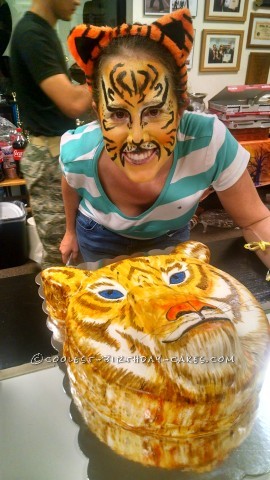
(205, 324)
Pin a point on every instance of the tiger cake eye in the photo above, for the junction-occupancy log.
(172, 350)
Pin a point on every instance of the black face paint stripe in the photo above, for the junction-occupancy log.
(172, 141)
(104, 92)
(169, 152)
(120, 79)
(169, 121)
(118, 65)
(105, 127)
(142, 98)
(134, 83)
(156, 74)
(108, 140)
(110, 93)
(110, 149)
(146, 81)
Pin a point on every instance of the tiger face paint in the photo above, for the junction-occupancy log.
(139, 116)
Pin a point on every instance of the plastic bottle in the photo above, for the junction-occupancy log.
(19, 144)
(9, 165)
(2, 174)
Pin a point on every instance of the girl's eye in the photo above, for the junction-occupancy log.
(152, 112)
(119, 115)
(177, 278)
(111, 294)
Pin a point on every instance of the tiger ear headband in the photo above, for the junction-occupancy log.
(174, 31)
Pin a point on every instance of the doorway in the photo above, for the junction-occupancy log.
(102, 12)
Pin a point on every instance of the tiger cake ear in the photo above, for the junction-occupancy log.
(173, 30)
(59, 285)
(193, 249)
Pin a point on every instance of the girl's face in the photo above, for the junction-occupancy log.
(139, 116)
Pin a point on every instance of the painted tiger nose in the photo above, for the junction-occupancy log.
(136, 135)
(186, 307)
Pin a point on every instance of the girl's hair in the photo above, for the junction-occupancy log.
(127, 47)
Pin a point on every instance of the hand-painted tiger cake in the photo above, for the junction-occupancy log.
(162, 352)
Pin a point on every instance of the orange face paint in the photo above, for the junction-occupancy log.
(139, 116)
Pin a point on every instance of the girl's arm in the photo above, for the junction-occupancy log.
(243, 203)
(69, 244)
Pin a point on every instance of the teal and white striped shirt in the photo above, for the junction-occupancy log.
(205, 154)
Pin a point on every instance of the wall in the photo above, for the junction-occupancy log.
(210, 83)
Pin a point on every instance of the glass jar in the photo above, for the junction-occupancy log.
(197, 102)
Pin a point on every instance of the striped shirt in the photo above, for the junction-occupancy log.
(206, 154)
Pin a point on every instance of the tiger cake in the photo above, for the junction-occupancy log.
(165, 355)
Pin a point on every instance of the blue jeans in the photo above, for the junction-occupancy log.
(97, 242)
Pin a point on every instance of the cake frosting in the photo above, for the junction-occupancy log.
(165, 354)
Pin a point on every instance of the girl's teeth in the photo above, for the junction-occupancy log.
(139, 156)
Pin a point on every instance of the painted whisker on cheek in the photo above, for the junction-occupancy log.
(169, 152)
(110, 149)
(172, 142)
(169, 121)
(108, 140)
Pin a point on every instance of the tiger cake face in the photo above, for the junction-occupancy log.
(166, 346)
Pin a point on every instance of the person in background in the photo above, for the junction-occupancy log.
(221, 52)
(133, 179)
(229, 54)
(232, 6)
(213, 54)
(48, 103)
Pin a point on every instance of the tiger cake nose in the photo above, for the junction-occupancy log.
(186, 307)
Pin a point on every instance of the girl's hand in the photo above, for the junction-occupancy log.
(69, 246)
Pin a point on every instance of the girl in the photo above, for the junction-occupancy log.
(133, 179)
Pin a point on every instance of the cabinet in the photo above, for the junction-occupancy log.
(259, 163)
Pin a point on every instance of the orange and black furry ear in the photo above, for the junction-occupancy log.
(173, 30)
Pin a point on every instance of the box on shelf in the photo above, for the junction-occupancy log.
(244, 109)
(242, 99)
(13, 234)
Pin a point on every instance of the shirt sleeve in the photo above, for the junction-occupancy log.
(231, 158)
(79, 150)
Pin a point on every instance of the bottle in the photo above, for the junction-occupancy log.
(9, 165)
(19, 144)
(2, 174)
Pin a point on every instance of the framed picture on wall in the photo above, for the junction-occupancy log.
(189, 60)
(259, 30)
(221, 50)
(156, 7)
(226, 10)
(191, 4)
(258, 68)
